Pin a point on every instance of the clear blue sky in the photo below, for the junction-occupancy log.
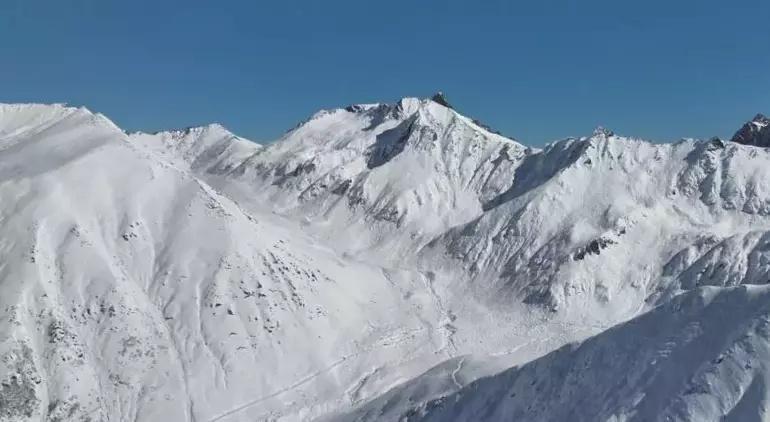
(536, 70)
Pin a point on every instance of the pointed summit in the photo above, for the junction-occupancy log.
(755, 132)
(439, 98)
(760, 120)
(602, 132)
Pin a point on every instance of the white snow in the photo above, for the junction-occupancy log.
(377, 262)
(702, 356)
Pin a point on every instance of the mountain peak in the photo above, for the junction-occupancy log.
(440, 98)
(760, 120)
(193, 130)
(755, 132)
(17, 117)
(602, 132)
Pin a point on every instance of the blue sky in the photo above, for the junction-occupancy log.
(536, 70)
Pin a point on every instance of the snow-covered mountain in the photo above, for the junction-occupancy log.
(210, 148)
(134, 291)
(378, 262)
(607, 222)
(398, 173)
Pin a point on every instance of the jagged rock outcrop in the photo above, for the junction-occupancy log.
(440, 98)
(755, 132)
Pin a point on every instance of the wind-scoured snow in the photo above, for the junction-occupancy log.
(378, 262)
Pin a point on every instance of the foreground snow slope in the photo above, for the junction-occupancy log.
(133, 291)
(703, 356)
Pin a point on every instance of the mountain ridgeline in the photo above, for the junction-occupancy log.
(379, 262)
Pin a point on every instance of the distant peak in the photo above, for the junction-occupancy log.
(17, 116)
(756, 132)
(440, 98)
(192, 129)
(602, 132)
(760, 120)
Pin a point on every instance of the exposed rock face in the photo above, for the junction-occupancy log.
(441, 99)
(603, 132)
(756, 132)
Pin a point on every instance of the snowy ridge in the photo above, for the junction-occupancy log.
(210, 148)
(597, 219)
(355, 268)
(756, 132)
(415, 167)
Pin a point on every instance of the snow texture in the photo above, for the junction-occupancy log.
(378, 262)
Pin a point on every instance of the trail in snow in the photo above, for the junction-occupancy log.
(446, 328)
(297, 384)
(456, 371)
(386, 341)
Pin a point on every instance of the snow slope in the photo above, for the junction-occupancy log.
(702, 356)
(594, 229)
(205, 149)
(370, 265)
(600, 226)
(399, 174)
(134, 291)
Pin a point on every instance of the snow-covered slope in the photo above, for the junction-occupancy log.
(204, 149)
(599, 225)
(371, 264)
(700, 357)
(131, 290)
(575, 222)
(398, 173)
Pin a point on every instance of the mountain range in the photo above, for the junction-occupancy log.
(388, 262)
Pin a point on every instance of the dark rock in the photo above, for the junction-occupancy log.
(486, 127)
(441, 99)
(390, 143)
(594, 247)
(602, 132)
(343, 187)
(715, 143)
(755, 133)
